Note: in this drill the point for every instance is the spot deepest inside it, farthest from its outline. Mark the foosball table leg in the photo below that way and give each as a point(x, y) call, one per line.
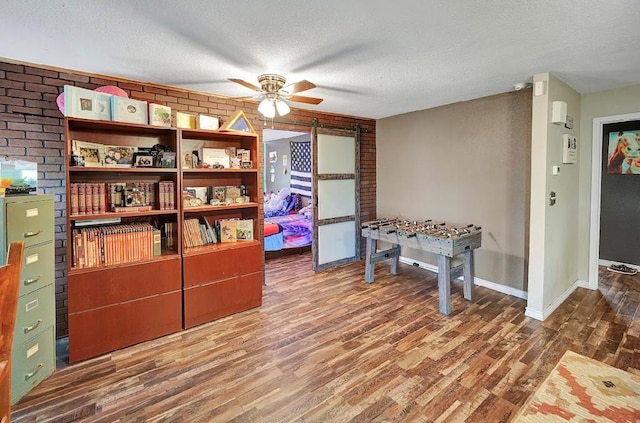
point(468, 273)
point(444, 283)
point(395, 259)
point(369, 267)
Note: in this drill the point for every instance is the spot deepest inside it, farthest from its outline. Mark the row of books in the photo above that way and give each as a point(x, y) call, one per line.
point(117, 244)
point(101, 197)
point(199, 231)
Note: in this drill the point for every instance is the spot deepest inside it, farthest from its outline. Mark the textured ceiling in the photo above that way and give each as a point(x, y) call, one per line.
point(369, 58)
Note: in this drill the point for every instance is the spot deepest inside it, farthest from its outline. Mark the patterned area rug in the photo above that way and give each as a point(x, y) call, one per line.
point(580, 389)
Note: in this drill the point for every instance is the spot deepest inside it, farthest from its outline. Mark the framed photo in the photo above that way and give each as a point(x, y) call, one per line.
point(207, 122)
point(143, 160)
point(90, 151)
point(118, 155)
point(273, 156)
point(622, 154)
point(168, 159)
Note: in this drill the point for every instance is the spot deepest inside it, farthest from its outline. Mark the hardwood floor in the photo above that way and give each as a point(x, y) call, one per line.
point(329, 348)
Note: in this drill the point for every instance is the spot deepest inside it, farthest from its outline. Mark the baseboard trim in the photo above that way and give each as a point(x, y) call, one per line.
point(607, 263)
point(542, 315)
point(480, 282)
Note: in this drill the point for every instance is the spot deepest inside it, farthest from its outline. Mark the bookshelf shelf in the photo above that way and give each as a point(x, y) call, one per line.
point(202, 209)
point(114, 304)
point(112, 215)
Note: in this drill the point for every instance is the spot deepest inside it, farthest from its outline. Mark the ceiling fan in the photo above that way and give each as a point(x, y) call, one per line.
point(274, 95)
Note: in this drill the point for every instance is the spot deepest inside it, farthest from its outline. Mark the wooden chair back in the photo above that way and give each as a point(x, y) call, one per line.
point(9, 291)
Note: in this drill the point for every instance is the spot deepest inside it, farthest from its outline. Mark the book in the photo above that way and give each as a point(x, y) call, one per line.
point(244, 229)
point(87, 104)
point(159, 115)
point(125, 109)
point(228, 231)
point(157, 242)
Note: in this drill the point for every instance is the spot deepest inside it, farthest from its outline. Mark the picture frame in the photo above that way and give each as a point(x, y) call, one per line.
point(207, 122)
point(118, 155)
point(91, 152)
point(168, 160)
point(185, 120)
point(143, 159)
point(159, 115)
point(238, 123)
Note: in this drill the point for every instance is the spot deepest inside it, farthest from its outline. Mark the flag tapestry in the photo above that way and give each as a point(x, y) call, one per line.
point(301, 168)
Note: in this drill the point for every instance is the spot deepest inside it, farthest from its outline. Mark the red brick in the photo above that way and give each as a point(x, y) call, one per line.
point(187, 101)
point(180, 94)
point(26, 143)
point(24, 110)
point(51, 112)
point(55, 82)
point(44, 136)
point(197, 109)
point(12, 151)
point(139, 95)
point(24, 94)
point(44, 120)
point(74, 77)
point(101, 81)
point(165, 98)
point(10, 67)
point(155, 90)
point(18, 126)
point(42, 72)
point(129, 86)
point(42, 88)
point(58, 129)
point(16, 101)
point(23, 77)
point(41, 103)
point(199, 97)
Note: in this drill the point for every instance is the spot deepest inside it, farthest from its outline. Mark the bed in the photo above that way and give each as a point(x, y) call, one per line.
point(288, 231)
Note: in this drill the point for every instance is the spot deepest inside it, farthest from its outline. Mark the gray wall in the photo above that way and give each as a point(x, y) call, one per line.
point(464, 163)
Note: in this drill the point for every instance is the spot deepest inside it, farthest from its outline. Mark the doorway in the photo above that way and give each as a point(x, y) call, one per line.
point(596, 181)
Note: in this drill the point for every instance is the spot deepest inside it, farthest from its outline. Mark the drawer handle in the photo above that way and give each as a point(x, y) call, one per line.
point(32, 233)
point(33, 373)
point(32, 280)
point(33, 326)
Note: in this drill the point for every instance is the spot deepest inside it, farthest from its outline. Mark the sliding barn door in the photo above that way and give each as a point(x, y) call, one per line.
point(336, 198)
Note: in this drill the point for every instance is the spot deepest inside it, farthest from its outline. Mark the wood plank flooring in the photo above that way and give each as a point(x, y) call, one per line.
point(329, 348)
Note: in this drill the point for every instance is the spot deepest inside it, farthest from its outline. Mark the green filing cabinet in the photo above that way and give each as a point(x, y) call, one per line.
point(30, 218)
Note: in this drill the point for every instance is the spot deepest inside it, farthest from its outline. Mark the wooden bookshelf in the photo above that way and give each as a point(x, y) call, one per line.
point(112, 306)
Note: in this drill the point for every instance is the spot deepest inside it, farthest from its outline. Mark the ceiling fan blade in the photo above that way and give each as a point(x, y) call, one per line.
point(302, 99)
point(245, 84)
point(299, 86)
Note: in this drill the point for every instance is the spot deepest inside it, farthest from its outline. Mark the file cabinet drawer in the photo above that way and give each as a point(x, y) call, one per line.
point(31, 222)
point(33, 361)
point(38, 268)
point(35, 314)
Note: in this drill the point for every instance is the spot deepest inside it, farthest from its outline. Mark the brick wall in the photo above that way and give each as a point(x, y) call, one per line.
point(31, 128)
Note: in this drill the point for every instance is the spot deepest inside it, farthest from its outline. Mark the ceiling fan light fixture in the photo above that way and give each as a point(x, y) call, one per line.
point(267, 108)
point(282, 106)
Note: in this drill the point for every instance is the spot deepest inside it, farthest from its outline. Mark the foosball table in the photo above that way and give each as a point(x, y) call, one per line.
point(444, 239)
